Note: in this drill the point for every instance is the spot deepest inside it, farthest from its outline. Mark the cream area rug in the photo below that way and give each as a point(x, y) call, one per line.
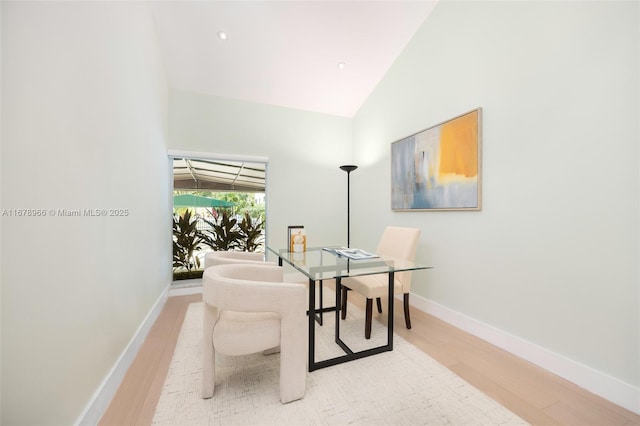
point(402, 387)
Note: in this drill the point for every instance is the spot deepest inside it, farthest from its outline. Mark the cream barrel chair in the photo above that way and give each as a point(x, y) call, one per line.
point(235, 257)
point(397, 243)
point(248, 309)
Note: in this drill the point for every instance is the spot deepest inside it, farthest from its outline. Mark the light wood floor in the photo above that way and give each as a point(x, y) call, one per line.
point(534, 394)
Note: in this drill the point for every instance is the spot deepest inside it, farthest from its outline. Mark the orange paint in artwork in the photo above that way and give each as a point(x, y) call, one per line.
point(459, 147)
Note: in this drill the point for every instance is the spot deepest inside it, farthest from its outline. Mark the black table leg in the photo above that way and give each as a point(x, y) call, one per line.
point(312, 327)
point(390, 312)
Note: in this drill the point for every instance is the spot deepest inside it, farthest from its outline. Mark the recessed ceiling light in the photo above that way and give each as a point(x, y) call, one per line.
point(341, 65)
point(222, 35)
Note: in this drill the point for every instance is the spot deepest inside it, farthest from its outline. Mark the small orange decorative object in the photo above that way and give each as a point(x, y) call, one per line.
point(298, 241)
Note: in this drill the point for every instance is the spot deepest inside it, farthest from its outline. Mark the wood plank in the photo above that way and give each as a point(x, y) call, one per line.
point(516, 404)
point(145, 377)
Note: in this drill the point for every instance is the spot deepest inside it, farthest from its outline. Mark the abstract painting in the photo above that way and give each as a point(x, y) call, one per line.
point(439, 168)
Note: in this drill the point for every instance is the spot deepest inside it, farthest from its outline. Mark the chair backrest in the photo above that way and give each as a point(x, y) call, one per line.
point(237, 286)
point(253, 288)
point(400, 243)
point(233, 257)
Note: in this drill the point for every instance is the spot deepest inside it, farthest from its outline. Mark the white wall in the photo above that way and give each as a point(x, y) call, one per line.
point(304, 183)
point(553, 257)
point(84, 105)
point(1, 232)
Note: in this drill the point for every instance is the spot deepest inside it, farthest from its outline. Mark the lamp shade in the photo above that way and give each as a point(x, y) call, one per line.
point(348, 168)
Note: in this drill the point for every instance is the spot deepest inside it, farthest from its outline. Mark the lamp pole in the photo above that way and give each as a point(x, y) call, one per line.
point(348, 168)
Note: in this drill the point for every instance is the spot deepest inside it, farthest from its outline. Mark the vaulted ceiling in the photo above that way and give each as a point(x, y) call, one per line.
point(322, 56)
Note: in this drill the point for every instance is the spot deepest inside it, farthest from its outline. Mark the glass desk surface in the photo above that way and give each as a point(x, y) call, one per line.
point(319, 264)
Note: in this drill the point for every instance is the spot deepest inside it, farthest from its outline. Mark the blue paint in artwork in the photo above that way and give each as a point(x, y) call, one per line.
point(453, 195)
point(403, 173)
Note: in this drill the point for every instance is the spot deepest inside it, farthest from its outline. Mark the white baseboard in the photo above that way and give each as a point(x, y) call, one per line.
point(107, 389)
point(607, 387)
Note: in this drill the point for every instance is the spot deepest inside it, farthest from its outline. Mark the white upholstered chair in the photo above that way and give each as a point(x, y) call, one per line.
point(235, 257)
point(397, 243)
point(248, 309)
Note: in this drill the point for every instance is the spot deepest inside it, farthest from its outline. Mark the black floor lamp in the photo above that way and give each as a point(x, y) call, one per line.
point(348, 168)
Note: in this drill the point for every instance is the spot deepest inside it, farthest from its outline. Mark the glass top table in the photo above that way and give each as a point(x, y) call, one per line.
point(320, 263)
